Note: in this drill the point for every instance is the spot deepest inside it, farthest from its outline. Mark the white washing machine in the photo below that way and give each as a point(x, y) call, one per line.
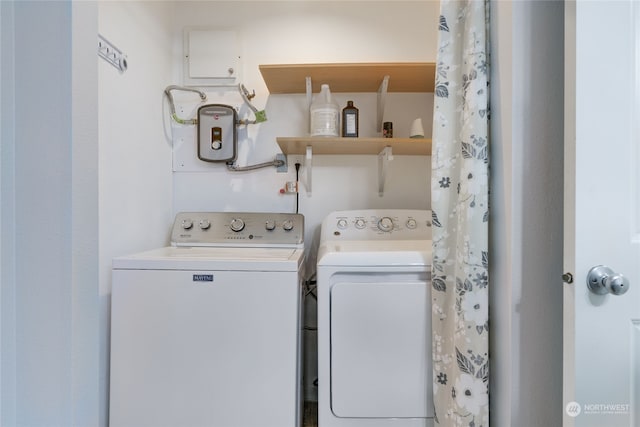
point(207, 332)
point(374, 319)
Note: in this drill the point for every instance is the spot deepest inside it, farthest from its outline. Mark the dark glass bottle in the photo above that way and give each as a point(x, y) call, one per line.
point(350, 120)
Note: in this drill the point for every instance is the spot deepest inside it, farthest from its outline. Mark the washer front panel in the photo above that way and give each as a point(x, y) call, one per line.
point(196, 348)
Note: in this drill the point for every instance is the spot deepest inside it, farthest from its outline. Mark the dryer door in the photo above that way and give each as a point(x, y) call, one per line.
point(381, 347)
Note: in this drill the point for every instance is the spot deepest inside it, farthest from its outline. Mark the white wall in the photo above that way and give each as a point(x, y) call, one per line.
point(317, 32)
point(84, 220)
point(527, 188)
point(7, 216)
point(135, 190)
point(49, 216)
point(42, 208)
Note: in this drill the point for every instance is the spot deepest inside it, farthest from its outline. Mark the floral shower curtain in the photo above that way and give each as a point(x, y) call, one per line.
point(460, 204)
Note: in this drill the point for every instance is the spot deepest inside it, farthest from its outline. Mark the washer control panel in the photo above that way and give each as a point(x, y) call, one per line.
point(242, 229)
point(377, 224)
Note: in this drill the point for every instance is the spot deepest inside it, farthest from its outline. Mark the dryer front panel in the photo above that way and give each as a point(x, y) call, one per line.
point(380, 327)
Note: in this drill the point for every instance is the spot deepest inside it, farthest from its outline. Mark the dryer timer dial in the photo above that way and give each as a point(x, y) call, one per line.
point(237, 224)
point(385, 224)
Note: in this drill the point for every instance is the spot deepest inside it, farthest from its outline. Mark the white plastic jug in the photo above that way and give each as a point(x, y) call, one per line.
point(324, 114)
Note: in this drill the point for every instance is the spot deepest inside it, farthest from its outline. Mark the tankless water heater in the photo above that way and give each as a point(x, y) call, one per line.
point(217, 136)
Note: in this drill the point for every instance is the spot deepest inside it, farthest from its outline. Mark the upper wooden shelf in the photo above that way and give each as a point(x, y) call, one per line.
point(363, 77)
point(320, 145)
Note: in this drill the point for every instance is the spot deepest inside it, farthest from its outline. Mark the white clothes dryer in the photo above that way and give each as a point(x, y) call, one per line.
point(374, 319)
point(207, 332)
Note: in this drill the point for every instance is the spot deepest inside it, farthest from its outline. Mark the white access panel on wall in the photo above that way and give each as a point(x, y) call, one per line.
point(211, 57)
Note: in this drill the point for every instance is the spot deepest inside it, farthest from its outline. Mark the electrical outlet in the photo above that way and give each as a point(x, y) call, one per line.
point(296, 158)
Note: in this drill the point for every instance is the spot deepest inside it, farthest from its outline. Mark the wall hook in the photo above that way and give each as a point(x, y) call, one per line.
point(111, 54)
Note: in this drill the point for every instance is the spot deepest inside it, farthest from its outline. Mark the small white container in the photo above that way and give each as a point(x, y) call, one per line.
point(417, 131)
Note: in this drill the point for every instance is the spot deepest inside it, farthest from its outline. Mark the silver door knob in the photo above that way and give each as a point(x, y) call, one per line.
point(602, 280)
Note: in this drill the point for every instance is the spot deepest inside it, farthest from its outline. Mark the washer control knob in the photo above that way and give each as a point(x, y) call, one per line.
point(187, 224)
point(412, 224)
point(237, 224)
point(205, 224)
point(287, 225)
point(360, 223)
point(270, 225)
point(385, 224)
point(342, 223)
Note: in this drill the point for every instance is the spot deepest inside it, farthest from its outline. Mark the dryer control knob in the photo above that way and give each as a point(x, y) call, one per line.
point(237, 224)
point(270, 225)
point(385, 224)
point(360, 223)
point(342, 223)
point(187, 224)
point(412, 224)
point(205, 224)
point(287, 225)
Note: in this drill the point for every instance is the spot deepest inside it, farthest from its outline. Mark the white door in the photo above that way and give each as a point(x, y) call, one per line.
point(602, 213)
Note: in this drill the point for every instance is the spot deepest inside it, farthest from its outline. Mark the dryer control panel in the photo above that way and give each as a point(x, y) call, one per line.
point(238, 229)
point(377, 224)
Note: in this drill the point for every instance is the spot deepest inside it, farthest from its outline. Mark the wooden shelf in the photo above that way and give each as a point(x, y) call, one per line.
point(384, 148)
point(364, 77)
point(371, 77)
point(319, 145)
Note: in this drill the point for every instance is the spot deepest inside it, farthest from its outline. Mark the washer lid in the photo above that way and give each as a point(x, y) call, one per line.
point(207, 258)
point(375, 253)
